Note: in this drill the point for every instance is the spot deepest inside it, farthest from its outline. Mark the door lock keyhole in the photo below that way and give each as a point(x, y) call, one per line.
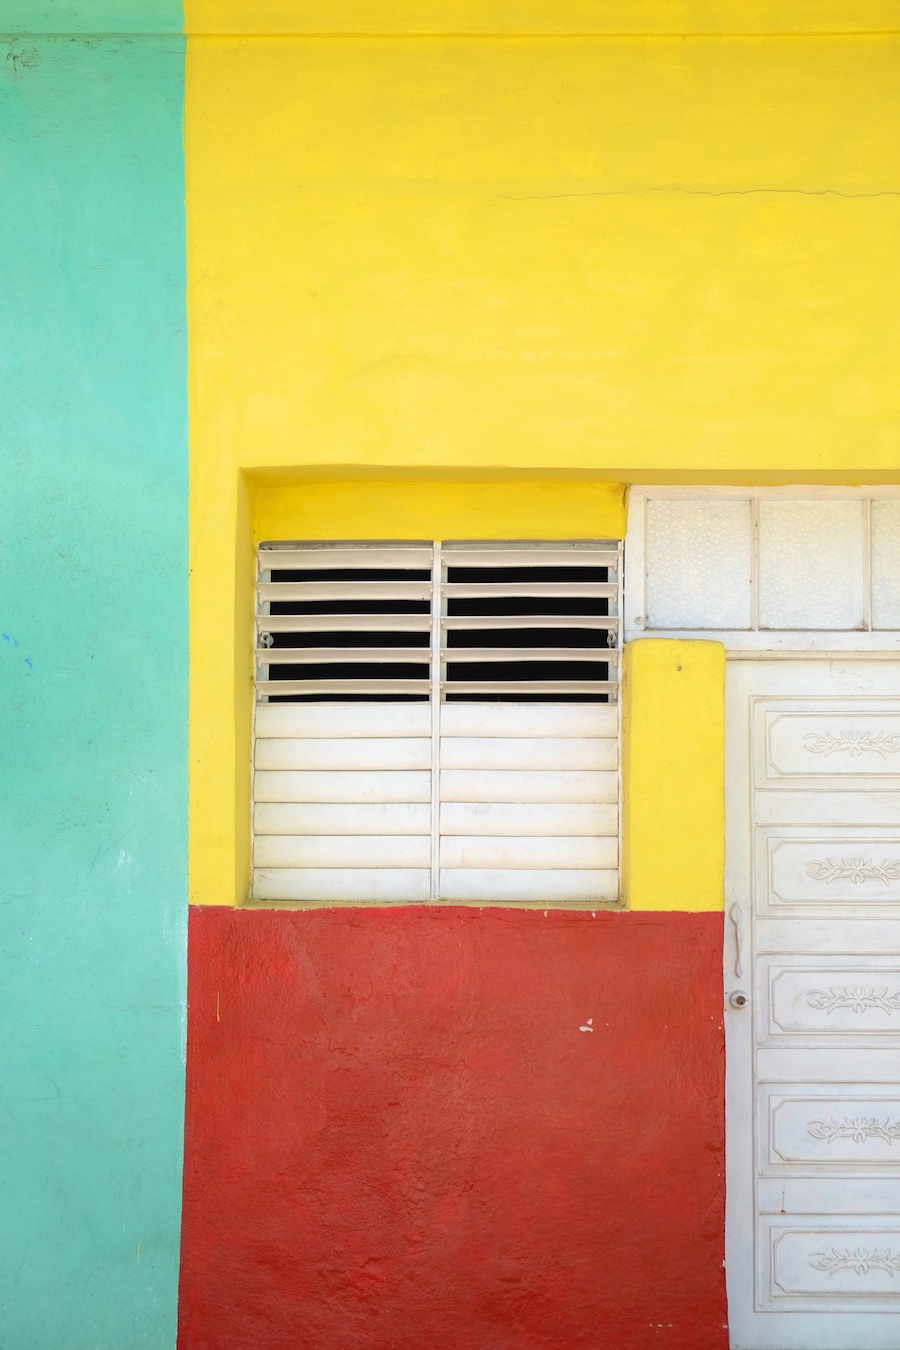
point(739, 999)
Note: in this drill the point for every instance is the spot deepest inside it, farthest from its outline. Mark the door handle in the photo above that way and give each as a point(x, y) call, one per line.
point(736, 915)
point(738, 999)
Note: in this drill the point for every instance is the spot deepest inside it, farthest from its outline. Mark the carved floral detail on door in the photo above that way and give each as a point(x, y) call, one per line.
point(855, 870)
point(857, 999)
point(853, 743)
point(857, 1128)
point(861, 1260)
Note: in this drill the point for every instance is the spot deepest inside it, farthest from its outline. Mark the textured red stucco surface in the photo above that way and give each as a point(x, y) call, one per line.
point(398, 1138)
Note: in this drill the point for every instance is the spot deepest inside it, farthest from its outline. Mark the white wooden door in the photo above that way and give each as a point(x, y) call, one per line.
point(812, 1004)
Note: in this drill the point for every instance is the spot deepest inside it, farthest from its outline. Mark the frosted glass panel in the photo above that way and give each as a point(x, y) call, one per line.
point(698, 563)
point(886, 564)
point(811, 564)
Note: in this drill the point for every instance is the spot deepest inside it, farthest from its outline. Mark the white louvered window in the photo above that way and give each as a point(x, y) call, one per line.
point(437, 722)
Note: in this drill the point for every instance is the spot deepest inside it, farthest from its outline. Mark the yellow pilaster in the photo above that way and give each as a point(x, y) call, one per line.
point(674, 767)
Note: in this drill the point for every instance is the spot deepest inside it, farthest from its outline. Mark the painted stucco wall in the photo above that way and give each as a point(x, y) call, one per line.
point(93, 660)
point(662, 254)
point(476, 271)
point(485, 252)
point(400, 1135)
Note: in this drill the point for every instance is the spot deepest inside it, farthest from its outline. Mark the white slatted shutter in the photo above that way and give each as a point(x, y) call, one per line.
point(529, 723)
point(342, 745)
point(437, 722)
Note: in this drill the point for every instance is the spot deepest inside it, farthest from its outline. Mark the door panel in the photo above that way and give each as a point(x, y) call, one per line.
point(848, 1002)
point(827, 872)
point(831, 1127)
point(831, 744)
point(836, 1265)
point(813, 1047)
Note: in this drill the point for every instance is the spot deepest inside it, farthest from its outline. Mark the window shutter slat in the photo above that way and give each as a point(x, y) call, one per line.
point(557, 720)
point(314, 557)
point(533, 886)
point(347, 623)
point(517, 852)
point(337, 688)
point(550, 688)
point(343, 785)
point(528, 752)
point(545, 785)
point(344, 590)
point(469, 654)
point(499, 621)
point(395, 752)
point(543, 554)
point(563, 590)
point(345, 719)
point(341, 655)
point(363, 850)
point(375, 885)
point(338, 819)
point(524, 819)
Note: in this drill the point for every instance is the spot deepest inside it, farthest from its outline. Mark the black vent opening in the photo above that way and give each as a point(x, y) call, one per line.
point(329, 639)
point(593, 639)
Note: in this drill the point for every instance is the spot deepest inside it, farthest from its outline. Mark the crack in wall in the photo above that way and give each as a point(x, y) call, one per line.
point(705, 192)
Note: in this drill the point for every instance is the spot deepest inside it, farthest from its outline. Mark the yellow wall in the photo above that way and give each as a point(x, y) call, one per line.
point(673, 733)
point(497, 257)
point(613, 17)
point(416, 509)
point(628, 253)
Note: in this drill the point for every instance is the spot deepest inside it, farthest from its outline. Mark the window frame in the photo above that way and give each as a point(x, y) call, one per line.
point(436, 703)
point(753, 639)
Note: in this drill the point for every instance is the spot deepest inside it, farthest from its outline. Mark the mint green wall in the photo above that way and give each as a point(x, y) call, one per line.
point(93, 681)
point(90, 16)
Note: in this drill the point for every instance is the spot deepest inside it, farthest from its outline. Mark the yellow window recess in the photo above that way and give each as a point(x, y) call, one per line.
point(223, 562)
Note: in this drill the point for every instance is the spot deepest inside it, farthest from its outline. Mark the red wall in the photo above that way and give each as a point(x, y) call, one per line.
point(397, 1135)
